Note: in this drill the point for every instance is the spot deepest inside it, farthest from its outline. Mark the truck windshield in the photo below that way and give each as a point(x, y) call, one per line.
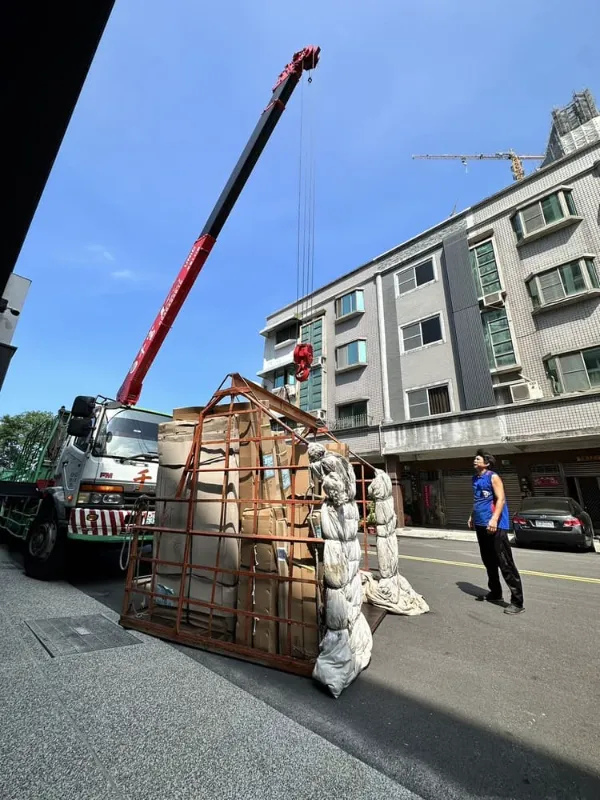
point(131, 434)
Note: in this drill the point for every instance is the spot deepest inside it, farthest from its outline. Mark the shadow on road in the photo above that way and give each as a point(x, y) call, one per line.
point(430, 750)
point(471, 589)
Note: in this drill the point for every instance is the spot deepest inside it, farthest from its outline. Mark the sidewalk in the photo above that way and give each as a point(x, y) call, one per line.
point(436, 533)
point(139, 720)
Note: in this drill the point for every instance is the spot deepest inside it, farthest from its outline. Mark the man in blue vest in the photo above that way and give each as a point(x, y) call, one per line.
point(491, 521)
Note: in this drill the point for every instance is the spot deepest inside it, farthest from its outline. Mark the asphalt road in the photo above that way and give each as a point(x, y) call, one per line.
point(464, 702)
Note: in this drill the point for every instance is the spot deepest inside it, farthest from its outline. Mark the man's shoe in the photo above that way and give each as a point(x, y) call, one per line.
point(490, 598)
point(513, 609)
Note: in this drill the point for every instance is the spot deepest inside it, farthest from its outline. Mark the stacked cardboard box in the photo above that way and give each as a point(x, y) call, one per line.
point(258, 592)
point(174, 444)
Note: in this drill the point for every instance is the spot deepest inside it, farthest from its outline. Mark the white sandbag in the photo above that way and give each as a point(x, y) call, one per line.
point(394, 594)
point(339, 522)
point(335, 565)
point(337, 610)
point(386, 530)
point(341, 563)
point(387, 555)
point(346, 647)
point(392, 591)
point(384, 511)
point(344, 605)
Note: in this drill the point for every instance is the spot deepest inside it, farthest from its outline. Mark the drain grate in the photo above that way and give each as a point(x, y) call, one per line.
point(66, 636)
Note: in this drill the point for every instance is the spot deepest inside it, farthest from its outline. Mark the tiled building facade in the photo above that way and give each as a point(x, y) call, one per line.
point(484, 330)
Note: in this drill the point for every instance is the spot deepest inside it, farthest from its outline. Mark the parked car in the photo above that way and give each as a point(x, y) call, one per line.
point(553, 519)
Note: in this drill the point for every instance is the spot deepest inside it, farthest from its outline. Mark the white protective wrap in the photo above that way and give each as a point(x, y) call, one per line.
point(392, 591)
point(346, 647)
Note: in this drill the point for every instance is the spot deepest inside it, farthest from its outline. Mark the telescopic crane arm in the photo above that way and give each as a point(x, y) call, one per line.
point(306, 59)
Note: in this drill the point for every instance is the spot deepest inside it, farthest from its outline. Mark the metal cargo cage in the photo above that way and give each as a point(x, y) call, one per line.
point(236, 563)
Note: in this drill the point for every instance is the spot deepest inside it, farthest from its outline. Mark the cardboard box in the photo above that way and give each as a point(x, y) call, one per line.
point(337, 447)
point(303, 608)
point(223, 621)
point(249, 458)
point(259, 593)
point(274, 453)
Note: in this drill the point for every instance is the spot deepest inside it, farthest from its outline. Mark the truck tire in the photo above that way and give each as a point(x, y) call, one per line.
point(45, 547)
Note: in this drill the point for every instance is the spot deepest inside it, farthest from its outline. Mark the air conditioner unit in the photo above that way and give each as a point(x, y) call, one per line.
point(525, 391)
point(493, 299)
point(319, 361)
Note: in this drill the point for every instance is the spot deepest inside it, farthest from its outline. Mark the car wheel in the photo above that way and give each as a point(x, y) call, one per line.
point(45, 547)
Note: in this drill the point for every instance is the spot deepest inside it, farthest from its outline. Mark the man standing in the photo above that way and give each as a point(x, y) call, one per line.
point(491, 522)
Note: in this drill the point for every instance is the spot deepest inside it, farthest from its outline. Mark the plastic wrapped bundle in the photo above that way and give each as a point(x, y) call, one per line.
point(392, 591)
point(346, 647)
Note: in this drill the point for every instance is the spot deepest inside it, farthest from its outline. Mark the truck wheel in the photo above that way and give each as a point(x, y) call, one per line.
point(45, 548)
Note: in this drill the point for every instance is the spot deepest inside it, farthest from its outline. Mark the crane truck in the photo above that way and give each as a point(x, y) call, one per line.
point(82, 475)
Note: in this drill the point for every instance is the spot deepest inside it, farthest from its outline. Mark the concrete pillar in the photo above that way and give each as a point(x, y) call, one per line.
point(392, 467)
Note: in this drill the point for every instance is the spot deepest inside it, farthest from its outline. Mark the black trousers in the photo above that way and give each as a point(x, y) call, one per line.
point(496, 554)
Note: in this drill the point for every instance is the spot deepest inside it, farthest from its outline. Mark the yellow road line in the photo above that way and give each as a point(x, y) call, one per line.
point(578, 578)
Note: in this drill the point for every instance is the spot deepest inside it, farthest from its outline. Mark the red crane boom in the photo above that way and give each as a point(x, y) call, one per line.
point(306, 59)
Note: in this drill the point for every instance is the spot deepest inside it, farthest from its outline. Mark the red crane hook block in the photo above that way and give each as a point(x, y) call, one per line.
point(303, 359)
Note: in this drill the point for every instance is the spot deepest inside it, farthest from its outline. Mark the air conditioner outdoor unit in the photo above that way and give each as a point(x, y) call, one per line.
point(493, 299)
point(525, 391)
point(319, 361)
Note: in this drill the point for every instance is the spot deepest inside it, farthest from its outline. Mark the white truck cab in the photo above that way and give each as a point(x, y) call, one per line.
point(109, 459)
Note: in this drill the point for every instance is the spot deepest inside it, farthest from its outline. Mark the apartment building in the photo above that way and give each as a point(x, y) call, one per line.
point(482, 331)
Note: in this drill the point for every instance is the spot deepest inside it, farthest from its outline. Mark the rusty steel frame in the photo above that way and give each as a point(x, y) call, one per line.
point(257, 403)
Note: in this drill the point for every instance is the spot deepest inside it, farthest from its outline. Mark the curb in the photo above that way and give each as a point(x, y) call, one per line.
point(452, 536)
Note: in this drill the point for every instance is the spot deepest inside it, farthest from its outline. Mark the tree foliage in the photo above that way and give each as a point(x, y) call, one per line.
point(14, 430)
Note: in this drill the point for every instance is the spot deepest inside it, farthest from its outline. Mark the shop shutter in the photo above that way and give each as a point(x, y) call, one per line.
point(512, 490)
point(582, 469)
point(457, 496)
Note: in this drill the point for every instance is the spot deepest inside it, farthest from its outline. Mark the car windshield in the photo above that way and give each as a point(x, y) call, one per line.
point(132, 434)
point(547, 505)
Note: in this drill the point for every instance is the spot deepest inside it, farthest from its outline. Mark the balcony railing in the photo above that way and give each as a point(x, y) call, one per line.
point(349, 423)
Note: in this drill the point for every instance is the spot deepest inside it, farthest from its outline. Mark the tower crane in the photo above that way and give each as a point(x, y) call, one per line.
point(516, 161)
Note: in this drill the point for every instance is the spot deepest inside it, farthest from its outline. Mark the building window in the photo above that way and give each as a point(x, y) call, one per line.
point(349, 304)
point(498, 339)
point(352, 415)
point(284, 377)
point(485, 269)
point(287, 334)
point(554, 285)
point(543, 213)
point(419, 334)
point(353, 354)
point(311, 391)
point(575, 372)
point(312, 333)
point(408, 279)
point(428, 402)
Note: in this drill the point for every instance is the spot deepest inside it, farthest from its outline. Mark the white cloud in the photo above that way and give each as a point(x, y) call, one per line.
point(123, 275)
point(100, 251)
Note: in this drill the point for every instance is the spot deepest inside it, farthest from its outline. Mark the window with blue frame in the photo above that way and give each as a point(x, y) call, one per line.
point(284, 377)
point(351, 303)
point(353, 354)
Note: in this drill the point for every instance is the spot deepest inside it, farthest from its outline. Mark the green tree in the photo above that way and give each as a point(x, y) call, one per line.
point(15, 430)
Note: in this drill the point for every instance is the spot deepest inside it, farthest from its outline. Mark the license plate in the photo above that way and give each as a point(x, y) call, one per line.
point(150, 517)
point(542, 523)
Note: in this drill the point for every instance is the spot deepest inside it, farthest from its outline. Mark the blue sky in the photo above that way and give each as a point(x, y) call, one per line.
point(172, 96)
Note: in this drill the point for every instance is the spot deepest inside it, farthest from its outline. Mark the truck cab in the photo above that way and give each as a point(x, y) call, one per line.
point(108, 461)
